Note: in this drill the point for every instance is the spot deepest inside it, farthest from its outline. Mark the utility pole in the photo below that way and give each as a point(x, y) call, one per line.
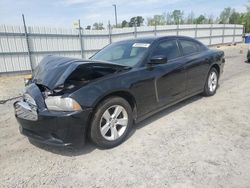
point(80, 38)
point(28, 45)
point(114, 5)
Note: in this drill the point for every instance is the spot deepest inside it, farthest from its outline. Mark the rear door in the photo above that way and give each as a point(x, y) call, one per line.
point(196, 64)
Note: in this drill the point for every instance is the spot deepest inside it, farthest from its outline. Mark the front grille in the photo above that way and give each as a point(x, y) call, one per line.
point(25, 111)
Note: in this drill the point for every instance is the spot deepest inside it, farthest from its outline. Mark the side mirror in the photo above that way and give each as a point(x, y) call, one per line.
point(158, 59)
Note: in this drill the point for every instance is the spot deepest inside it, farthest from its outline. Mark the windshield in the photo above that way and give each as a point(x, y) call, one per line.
point(123, 53)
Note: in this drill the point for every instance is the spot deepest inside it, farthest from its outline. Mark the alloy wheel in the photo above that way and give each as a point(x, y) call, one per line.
point(114, 122)
point(212, 81)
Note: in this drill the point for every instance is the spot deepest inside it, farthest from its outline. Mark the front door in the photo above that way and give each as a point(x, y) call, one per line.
point(171, 78)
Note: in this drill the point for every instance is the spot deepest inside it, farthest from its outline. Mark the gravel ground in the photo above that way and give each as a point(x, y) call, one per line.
point(201, 142)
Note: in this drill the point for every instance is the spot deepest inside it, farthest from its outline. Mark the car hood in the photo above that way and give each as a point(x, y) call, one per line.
point(52, 71)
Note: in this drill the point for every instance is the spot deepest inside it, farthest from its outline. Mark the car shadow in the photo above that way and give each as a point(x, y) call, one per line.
point(247, 61)
point(88, 147)
point(164, 112)
point(70, 151)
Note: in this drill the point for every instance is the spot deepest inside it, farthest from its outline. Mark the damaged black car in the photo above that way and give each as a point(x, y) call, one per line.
point(70, 99)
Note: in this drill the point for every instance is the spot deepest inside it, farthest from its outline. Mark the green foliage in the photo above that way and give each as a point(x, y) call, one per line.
point(138, 21)
point(157, 20)
point(177, 16)
point(235, 18)
point(246, 18)
point(190, 18)
point(98, 26)
point(134, 21)
point(227, 16)
point(88, 27)
point(200, 20)
point(125, 23)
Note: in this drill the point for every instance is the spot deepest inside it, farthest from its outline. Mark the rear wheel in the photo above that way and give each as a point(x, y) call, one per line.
point(111, 122)
point(211, 83)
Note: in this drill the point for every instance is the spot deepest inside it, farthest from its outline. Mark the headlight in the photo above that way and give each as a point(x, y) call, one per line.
point(27, 98)
point(57, 103)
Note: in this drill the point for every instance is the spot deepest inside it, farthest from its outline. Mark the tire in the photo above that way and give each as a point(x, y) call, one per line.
point(105, 119)
point(210, 90)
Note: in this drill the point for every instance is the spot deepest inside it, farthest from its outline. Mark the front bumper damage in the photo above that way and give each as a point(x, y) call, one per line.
point(50, 127)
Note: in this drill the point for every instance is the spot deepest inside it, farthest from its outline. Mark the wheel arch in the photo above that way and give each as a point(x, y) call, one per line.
point(217, 67)
point(123, 94)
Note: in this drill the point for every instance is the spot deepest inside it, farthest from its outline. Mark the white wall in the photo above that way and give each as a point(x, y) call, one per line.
point(66, 42)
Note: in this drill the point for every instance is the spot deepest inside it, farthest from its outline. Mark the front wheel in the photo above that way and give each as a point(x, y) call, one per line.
point(111, 123)
point(211, 83)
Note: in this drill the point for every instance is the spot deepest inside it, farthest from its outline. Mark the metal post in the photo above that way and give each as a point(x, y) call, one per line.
point(210, 34)
point(27, 42)
point(80, 38)
point(243, 34)
point(177, 31)
point(196, 31)
point(155, 30)
point(135, 27)
point(234, 33)
point(115, 15)
point(110, 33)
point(223, 34)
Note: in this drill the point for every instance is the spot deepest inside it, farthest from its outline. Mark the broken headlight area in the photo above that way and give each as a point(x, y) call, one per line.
point(57, 101)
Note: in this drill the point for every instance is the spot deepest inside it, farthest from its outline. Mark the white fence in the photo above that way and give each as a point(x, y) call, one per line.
point(19, 49)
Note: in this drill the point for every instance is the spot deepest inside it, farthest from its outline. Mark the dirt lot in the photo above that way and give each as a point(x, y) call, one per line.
point(201, 142)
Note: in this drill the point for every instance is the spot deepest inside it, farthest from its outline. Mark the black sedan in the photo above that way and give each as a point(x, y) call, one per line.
point(124, 83)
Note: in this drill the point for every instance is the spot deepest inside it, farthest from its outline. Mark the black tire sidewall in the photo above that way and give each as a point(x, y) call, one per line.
point(95, 134)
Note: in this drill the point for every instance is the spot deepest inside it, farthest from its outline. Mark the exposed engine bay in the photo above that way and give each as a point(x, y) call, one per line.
point(59, 75)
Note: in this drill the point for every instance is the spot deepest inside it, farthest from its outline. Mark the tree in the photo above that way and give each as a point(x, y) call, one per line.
point(98, 26)
point(168, 18)
point(132, 22)
point(190, 18)
point(200, 20)
point(225, 15)
point(157, 20)
point(210, 19)
point(246, 18)
point(125, 23)
point(235, 18)
point(177, 16)
point(138, 21)
point(88, 27)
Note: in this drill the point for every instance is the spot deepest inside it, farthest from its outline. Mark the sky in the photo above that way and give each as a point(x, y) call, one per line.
point(62, 13)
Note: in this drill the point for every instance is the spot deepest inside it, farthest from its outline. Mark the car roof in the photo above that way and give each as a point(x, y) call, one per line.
point(156, 38)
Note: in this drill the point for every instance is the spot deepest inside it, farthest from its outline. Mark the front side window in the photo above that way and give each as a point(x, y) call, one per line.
point(168, 49)
point(189, 47)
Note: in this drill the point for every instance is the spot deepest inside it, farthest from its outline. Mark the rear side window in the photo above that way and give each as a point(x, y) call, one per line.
point(189, 47)
point(167, 48)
